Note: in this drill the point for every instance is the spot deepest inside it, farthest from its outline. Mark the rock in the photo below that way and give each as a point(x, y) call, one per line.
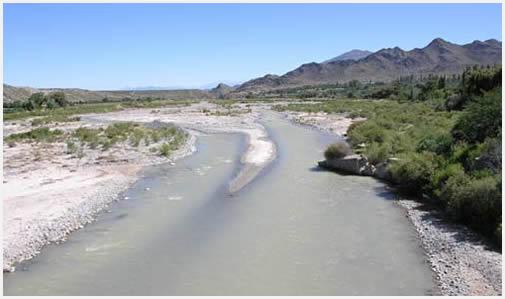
point(382, 171)
point(354, 164)
point(491, 160)
point(454, 102)
point(368, 169)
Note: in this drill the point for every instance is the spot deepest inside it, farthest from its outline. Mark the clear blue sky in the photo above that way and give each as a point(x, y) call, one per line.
point(111, 46)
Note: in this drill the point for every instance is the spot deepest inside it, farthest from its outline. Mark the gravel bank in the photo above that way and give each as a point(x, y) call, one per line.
point(464, 263)
point(47, 194)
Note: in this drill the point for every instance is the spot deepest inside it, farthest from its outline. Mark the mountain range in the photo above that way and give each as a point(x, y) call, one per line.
point(351, 55)
point(438, 57)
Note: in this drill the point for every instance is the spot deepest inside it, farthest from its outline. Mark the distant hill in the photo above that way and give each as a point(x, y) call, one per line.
point(76, 95)
point(221, 90)
point(351, 55)
point(438, 57)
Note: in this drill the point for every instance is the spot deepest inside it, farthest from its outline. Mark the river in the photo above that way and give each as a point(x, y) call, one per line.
point(294, 230)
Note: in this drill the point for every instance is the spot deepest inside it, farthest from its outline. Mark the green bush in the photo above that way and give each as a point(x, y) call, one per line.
point(366, 132)
point(378, 153)
point(437, 143)
point(87, 135)
point(481, 119)
point(475, 202)
point(165, 149)
point(71, 147)
point(442, 174)
point(337, 150)
point(37, 135)
point(136, 136)
point(413, 171)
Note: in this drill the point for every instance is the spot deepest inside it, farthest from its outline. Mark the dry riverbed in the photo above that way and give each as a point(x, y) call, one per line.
point(465, 264)
point(49, 192)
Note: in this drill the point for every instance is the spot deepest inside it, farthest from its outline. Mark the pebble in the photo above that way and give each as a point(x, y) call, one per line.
point(455, 254)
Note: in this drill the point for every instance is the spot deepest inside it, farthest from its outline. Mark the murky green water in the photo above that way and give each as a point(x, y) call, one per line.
point(293, 231)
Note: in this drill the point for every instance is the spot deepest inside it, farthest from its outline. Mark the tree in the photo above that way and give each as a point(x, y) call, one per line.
point(35, 101)
point(441, 82)
point(59, 98)
point(481, 119)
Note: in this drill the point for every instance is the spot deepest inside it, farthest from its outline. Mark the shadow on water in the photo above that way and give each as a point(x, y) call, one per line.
point(317, 169)
point(432, 213)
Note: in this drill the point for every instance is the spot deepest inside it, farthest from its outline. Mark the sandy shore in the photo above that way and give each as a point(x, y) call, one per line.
point(464, 263)
point(48, 193)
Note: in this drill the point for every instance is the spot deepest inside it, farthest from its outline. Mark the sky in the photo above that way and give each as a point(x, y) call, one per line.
point(114, 46)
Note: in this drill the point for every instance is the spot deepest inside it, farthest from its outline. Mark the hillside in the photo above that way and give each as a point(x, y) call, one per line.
point(351, 55)
point(438, 57)
point(76, 95)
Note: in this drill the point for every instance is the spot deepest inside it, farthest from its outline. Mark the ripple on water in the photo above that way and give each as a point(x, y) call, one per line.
point(175, 198)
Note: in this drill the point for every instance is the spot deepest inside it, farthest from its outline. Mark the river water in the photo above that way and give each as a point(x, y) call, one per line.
point(295, 230)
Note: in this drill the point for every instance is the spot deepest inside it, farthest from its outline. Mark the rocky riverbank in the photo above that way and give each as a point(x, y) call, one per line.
point(464, 262)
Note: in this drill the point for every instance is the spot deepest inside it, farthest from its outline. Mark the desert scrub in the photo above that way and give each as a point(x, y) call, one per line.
point(35, 135)
point(178, 139)
point(337, 150)
point(67, 111)
point(96, 108)
point(71, 147)
point(133, 133)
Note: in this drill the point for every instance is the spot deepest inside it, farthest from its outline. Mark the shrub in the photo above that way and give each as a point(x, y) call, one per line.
point(368, 131)
point(481, 119)
point(71, 147)
point(38, 135)
point(155, 136)
point(437, 143)
point(442, 174)
point(476, 202)
point(165, 149)
point(377, 153)
point(337, 150)
point(413, 171)
point(120, 130)
point(87, 135)
point(136, 136)
point(59, 98)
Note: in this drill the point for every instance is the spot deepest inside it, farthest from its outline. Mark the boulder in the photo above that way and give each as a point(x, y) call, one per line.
point(359, 165)
point(491, 160)
point(382, 171)
point(454, 102)
point(354, 164)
